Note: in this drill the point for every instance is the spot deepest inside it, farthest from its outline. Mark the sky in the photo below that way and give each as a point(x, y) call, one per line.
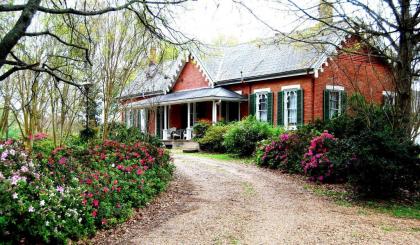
point(209, 20)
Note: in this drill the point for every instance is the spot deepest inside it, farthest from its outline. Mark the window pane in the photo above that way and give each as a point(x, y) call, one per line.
point(334, 103)
point(291, 107)
point(262, 107)
point(263, 116)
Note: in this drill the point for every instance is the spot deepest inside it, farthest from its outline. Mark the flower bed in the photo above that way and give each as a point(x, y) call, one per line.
point(71, 192)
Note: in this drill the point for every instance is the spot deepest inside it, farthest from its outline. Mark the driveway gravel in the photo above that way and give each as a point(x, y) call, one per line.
point(217, 202)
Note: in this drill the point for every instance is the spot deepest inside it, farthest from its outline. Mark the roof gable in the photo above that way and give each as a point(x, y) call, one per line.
point(191, 77)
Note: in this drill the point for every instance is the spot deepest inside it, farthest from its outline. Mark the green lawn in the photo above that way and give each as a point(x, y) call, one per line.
point(220, 156)
point(393, 208)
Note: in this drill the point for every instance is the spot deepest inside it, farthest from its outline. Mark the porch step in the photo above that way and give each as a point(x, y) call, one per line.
point(190, 150)
point(182, 144)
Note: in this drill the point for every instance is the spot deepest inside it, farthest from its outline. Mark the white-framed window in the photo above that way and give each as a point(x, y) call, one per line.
point(335, 103)
point(290, 108)
point(262, 106)
point(261, 97)
point(389, 98)
point(334, 98)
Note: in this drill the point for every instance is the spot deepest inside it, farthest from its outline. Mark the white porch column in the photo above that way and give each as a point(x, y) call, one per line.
point(214, 112)
point(189, 115)
point(188, 130)
point(165, 123)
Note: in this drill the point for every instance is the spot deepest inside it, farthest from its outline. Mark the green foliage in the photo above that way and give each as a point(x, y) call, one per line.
point(384, 164)
point(119, 132)
point(242, 137)
point(213, 139)
point(200, 128)
point(379, 160)
point(44, 146)
point(87, 134)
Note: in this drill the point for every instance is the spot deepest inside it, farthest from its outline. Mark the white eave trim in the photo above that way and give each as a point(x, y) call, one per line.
point(289, 87)
point(388, 93)
point(261, 90)
point(335, 87)
point(203, 69)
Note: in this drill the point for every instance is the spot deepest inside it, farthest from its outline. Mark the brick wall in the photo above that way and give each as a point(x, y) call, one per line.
point(190, 78)
point(356, 73)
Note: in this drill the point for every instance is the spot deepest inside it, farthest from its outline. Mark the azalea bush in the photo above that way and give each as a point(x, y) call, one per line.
point(285, 153)
point(287, 150)
point(317, 163)
point(70, 192)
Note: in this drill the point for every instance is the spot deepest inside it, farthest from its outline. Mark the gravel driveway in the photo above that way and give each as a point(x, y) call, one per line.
point(229, 203)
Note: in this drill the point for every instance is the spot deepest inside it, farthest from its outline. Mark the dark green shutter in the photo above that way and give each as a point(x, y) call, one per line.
point(343, 95)
point(299, 107)
point(326, 105)
point(252, 104)
point(270, 108)
point(280, 108)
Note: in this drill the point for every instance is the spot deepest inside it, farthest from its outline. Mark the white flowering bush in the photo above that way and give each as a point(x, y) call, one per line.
point(32, 205)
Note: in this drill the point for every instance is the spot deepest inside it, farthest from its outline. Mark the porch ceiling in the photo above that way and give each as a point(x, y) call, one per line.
point(196, 95)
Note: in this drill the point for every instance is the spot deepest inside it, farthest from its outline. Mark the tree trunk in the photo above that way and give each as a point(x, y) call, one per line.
point(404, 70)
point(18, 31)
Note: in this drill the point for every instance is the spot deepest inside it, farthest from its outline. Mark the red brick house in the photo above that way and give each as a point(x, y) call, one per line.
point(282, 84)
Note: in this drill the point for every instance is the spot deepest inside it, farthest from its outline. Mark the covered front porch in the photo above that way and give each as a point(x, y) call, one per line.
point(178, 112)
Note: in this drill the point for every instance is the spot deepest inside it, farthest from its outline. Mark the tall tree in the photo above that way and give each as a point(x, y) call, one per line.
point(149, 12)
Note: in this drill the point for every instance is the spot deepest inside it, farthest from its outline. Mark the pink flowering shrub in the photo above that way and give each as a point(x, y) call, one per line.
point(317, 163)
point(285, 153)
point(275, 154)
point(70, 192)
point(115, 176)
point(38, 136)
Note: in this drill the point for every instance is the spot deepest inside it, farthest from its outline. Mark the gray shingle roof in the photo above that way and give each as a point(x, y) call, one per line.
point(153, 79)
point(191, 95)
point(227, 64)
point(255, 60)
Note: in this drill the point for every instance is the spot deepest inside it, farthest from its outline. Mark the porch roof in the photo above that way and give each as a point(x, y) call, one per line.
point(196, 95)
